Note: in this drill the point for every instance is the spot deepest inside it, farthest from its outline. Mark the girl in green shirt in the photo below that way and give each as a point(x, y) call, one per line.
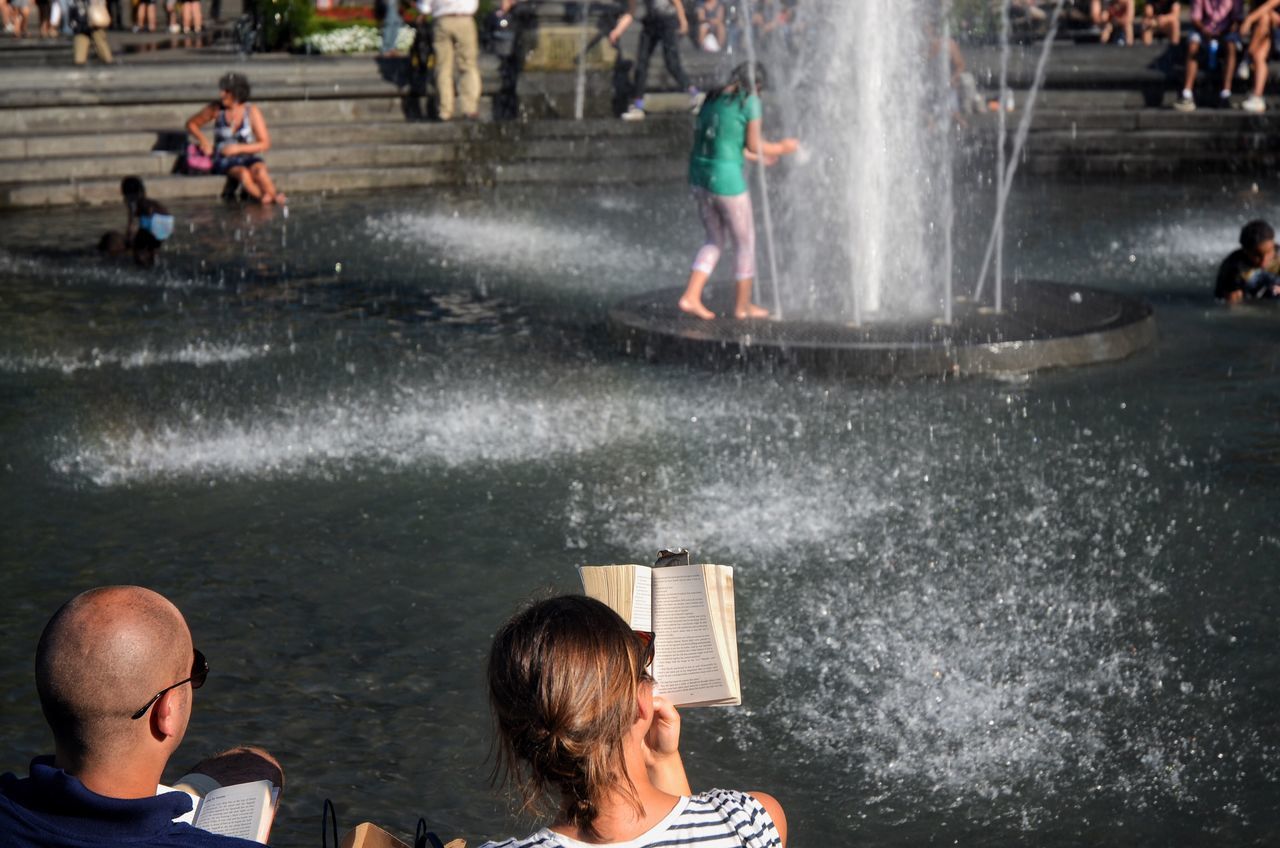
point(727, 135)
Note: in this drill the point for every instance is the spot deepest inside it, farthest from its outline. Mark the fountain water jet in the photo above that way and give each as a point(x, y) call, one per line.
point(863, 262)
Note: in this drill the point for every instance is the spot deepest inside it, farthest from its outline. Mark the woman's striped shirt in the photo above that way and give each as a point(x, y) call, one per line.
point(719, 818)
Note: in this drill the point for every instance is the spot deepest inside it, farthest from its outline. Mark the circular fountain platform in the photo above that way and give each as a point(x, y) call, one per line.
point(1043, 325)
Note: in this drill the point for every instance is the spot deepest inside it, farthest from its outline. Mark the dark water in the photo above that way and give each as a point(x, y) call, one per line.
point(1039, 609)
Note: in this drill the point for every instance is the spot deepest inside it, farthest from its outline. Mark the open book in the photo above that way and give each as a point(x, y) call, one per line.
point(244, 810)
point(689, 610)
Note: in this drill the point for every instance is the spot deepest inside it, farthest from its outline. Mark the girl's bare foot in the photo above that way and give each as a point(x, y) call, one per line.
point(695, 308)
point(751, 311)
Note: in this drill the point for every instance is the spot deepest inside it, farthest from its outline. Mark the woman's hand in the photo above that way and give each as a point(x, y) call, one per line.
point(206, 147)
point(788, 146)
point(663, 738)
point(662, 750)
point(231, 149)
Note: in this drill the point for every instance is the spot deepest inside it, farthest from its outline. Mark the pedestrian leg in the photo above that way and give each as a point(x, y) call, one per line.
point(442, 41)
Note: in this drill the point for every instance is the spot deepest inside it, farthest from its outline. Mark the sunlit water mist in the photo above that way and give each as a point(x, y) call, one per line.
point(1040, 610)
point(970, 625)
point(859, 222)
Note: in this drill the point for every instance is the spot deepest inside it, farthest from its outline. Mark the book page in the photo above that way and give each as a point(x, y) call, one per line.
point(642, 601)
point(625, 589)
point(718, 580)
point(687, 665)
point(244, 810)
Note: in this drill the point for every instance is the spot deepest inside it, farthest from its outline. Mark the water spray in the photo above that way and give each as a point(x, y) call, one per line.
point(760, 171)
point(1005, 175)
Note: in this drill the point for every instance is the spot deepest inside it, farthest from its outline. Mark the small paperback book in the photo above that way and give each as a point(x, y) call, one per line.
point(689, 610)
point(243, 810)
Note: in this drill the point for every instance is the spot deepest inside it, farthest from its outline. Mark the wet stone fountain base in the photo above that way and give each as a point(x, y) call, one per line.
point(1043, 325)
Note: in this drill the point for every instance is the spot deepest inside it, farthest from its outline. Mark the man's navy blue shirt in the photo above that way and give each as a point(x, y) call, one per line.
point(52, 809)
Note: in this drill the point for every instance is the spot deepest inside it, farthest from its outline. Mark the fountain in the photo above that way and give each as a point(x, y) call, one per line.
point(866, 278)
point(1032, 609)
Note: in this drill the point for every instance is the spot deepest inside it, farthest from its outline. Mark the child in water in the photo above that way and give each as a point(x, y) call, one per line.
point(727, 134)
point(148, 225)
point(1251, 271)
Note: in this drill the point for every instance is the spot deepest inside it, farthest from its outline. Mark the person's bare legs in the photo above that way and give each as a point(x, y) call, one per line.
point(691, 301)
point(1229, 69)
point(1259, 48)
point(1129, 14)
point(263, 179)
point(244, 176)
point(743, 307)
point(1193, 65)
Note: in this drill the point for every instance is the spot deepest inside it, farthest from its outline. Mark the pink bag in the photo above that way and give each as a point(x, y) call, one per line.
point(197, 161)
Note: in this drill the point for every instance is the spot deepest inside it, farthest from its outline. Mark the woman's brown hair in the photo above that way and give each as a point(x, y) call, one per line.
point(563, 680)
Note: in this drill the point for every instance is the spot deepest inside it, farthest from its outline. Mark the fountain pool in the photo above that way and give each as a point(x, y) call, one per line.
point(1034, 609)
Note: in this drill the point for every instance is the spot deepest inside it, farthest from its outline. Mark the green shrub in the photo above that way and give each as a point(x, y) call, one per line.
point(284, 21)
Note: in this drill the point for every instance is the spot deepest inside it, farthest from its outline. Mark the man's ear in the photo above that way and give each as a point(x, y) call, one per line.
point(168, 715)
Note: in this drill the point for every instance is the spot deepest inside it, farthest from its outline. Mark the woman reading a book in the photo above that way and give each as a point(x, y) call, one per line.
point(579, 726)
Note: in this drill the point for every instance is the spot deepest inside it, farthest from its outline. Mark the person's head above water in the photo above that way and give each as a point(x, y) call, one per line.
point(115, 669)
point(237, 85)
point(565, 678)
point(132, 189)
point(1258, 240)
point(1255, 233)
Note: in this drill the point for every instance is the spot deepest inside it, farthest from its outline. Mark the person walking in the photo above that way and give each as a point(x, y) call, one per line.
point(664, 23)
point(457, 44)
point(727, 134)
point(87, 26)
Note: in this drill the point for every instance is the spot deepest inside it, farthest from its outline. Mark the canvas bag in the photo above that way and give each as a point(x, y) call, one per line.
point(99, 17)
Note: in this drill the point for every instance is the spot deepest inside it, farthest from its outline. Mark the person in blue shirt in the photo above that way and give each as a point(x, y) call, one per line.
point(116, 672)
point(149, 222)
point(727, 135)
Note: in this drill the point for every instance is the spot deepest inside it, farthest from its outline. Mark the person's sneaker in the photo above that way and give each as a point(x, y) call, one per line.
point(175, 29)
point(1254, 103)
point(1242, 70)
point(635, 113)
point(1224, 100)
point(1185, 103)
point(696, 99)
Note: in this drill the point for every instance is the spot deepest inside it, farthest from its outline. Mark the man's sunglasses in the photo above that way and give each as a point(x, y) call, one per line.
point(199, 671)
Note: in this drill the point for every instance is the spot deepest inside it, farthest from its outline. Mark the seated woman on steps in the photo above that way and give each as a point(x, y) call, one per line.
point(579, 726)
point(239, 136)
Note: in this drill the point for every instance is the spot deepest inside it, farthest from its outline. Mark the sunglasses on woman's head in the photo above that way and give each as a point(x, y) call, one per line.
point(199, 672)
point(646, 655)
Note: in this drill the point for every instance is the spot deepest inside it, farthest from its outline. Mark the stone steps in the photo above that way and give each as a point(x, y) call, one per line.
point(1146, 166)
point(1151, 142)
point(304, 158)
point(171, 138)
point(557, 172)
point(404, 152)
point(1202, 120)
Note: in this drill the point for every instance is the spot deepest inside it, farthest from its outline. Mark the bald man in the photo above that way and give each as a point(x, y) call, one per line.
point(116, 671)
